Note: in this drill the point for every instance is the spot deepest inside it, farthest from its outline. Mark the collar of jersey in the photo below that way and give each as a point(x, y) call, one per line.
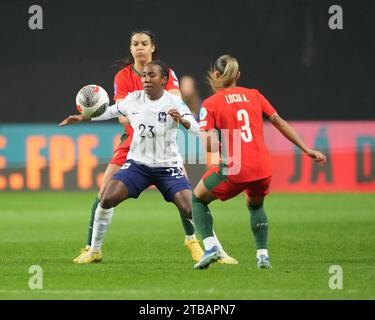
point(135, 71)
point(154, 101)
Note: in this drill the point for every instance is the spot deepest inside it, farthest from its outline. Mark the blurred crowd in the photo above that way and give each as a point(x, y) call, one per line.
point(190, 94)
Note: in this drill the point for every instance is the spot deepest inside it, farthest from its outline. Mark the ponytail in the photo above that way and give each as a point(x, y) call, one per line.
point(228, 68)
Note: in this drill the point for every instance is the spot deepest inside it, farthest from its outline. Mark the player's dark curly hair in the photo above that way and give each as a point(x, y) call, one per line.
point(122, 63)
point(164, 69)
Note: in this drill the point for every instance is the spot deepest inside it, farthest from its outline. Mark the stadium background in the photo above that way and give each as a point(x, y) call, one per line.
point(286, 50)
point(319, 79)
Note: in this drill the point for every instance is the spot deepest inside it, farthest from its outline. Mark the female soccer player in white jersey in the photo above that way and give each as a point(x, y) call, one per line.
point(153, 158)
point(143, 49)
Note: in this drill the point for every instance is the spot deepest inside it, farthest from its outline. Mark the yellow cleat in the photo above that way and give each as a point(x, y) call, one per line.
point(82, 252)
point(195, 249)
point(225, 259)
point(91, 256)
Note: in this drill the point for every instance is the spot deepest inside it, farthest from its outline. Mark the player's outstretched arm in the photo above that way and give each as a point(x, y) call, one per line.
point(76, 118)
point(288, 131)
point(122, 119)
point(111, 112)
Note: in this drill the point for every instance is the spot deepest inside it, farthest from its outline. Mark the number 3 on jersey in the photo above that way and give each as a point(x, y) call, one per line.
point(246, 134)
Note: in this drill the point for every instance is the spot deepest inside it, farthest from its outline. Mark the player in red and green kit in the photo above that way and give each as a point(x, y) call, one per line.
point(143, 49)
point(232, 122)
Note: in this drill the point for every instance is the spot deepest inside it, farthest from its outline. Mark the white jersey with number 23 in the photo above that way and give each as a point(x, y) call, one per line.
point(155, 132)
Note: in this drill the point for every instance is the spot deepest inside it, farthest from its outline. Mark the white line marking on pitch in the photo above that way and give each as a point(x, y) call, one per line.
point(210, 291)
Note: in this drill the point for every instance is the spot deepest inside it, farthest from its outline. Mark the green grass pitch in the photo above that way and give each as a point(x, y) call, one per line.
point(144, 255)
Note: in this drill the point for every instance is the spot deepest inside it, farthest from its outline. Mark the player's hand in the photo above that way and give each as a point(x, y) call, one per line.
point(316, 155)
point(72, 119)
point(175, 115)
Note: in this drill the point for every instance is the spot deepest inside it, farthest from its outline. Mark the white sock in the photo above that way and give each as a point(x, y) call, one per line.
point(191, 237)
point(210, 242)
point(103, 218)
point(218, 243)
point(262, 252)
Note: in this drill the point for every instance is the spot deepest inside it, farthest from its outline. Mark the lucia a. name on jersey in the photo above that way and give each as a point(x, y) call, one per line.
point(236, 97)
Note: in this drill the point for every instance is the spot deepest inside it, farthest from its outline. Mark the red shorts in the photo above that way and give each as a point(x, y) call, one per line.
point(121, 153)
point(223, 189)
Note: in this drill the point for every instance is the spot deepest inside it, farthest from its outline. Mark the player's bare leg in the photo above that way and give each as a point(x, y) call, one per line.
point(114, 193)
point(191, 242)
point(259, 227)
point(182, 200)
point(204, 223)
point(108, 174)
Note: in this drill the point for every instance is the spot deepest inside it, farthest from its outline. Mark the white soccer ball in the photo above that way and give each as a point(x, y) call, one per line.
point(92, 101)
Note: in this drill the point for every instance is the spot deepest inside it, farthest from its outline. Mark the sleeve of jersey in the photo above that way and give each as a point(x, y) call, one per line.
point(194, 126)
point(267, 108)
point(173, 82)
point(120, 87)
point(206, 118)
point(114, 111)
point(186, 114)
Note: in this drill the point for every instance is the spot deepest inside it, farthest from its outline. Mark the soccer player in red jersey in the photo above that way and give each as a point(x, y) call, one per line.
point(235, 114)
point(143, 49)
